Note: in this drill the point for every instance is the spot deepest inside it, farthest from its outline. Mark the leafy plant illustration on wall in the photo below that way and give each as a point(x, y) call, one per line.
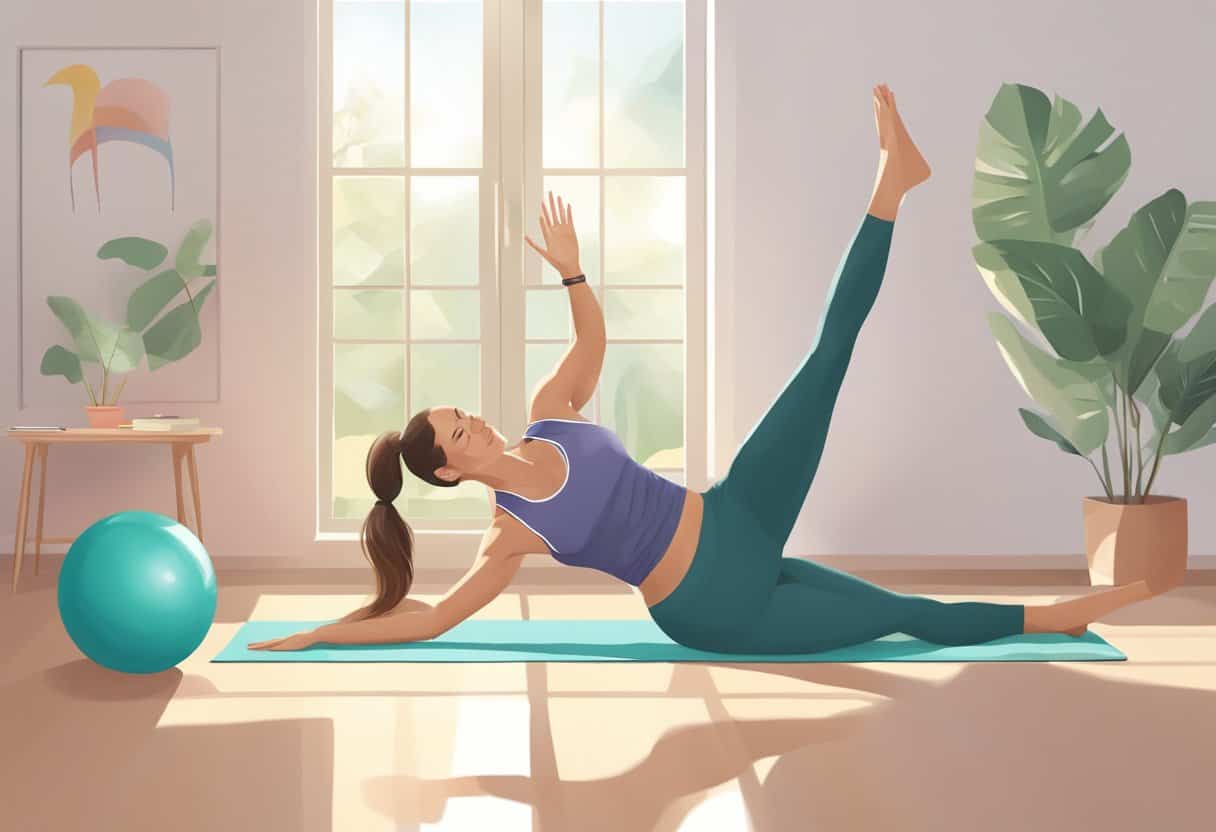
point(119, 348)
point(1041, 178)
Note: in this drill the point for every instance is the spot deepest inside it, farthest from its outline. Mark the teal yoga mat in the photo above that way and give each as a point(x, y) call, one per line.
point(641, 640)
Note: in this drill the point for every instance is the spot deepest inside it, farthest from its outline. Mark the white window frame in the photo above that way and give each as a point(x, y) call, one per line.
point(511, 178)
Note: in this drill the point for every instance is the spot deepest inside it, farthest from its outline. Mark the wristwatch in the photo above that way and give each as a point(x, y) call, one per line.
point(570, 281)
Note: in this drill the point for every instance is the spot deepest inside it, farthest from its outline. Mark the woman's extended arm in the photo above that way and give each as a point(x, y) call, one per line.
point(384, 629)
point(489, 575)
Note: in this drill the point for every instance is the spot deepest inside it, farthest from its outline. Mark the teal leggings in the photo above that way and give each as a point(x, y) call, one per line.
point(740, 594)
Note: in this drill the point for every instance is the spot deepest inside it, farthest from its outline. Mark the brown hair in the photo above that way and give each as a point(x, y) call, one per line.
point(387, 540)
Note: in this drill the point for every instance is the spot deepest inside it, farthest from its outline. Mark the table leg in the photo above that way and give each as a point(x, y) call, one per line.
point(44, 449)
point(23, 510)
point(177, 483)
point(198, 509)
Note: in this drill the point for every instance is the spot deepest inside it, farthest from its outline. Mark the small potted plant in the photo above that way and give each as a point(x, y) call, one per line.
point(119, 348)
point(1112, 322)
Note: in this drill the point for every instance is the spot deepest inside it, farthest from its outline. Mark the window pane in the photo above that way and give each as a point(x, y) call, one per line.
point(643, 401)
point(644, 313)
point(368, 314)
point(369, 84)
point(548, 314)
point(644, 229)
point(445, 314)
point(644, 84)
point(445, 374)
point(571, 84)
point(369, 230)
point(424, 501)
point(583, 195)
point(369, 398)
point(445, 83)
point(443, 230)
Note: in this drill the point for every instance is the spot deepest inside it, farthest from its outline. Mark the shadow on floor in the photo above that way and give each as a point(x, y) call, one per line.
point(82, 750)
point(997, 747)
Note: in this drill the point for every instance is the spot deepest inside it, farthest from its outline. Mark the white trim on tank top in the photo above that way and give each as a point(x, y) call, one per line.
point(564, 456)
point(528, 527)
point(562, 488)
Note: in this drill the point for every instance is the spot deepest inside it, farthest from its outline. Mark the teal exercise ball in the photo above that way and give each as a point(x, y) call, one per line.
point(137, 592)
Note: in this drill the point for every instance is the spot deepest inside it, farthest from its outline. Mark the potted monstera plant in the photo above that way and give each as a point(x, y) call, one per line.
point(1112, 366)
point(118, 349)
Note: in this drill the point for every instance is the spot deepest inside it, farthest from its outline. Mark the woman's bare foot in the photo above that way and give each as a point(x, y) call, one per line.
point(1073, 615)
point(915, 168)
point(901, 166)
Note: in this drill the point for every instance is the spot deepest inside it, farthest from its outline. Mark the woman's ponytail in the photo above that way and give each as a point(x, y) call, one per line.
point(387, 540)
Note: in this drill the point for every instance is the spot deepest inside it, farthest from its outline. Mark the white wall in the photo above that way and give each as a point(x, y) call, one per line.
point(927, 454)
point(256, 479)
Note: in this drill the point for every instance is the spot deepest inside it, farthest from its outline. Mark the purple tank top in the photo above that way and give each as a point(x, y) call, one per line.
point(610, 513)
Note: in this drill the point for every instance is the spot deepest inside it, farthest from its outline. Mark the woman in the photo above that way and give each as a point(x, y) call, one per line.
point(708, 565)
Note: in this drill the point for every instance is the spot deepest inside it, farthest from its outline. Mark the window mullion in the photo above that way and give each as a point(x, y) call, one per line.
point(408, 51)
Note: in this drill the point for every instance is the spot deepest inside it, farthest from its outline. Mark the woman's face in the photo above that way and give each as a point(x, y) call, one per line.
point(469, 443)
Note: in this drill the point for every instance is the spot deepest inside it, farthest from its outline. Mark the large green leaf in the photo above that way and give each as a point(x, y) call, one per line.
point(1039, 174)
point(1194, 430)
point(1004, 283)
point(1187, 273)
point(1210, 439)
point(1041, 427)
point(1148, 395)
point(176, 334)
point(152, 296)
point(134, 251)
point(98, 341)
point(1073, 307)
point(1134, 363)
point(1163, 262)
point(190, 252)
point(1201, 338)
point(58, 361)
point(76, 322)
point(1185, 385)
point(1073, 401)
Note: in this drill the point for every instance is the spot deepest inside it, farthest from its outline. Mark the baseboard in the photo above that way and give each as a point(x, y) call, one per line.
point(968, 565)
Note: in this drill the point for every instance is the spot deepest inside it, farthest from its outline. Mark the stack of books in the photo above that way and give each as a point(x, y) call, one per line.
point(166, 423)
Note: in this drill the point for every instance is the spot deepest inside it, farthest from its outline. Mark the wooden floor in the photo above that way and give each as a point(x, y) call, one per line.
point(1018, 746)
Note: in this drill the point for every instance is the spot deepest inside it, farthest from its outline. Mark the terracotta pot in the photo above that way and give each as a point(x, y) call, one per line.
point(1128, 543)
point(104, 417)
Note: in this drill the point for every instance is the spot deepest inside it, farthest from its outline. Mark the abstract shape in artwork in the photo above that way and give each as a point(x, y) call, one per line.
point(126, 109)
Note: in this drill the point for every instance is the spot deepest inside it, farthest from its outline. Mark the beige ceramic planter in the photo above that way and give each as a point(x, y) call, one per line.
point(1128, 543)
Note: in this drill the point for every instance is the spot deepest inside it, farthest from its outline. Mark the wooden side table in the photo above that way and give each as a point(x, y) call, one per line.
point(37, 446)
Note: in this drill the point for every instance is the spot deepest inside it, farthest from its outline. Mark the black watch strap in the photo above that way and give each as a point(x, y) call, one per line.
point(570, 281)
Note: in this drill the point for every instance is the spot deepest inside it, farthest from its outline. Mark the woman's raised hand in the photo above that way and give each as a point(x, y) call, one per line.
point(561, 243)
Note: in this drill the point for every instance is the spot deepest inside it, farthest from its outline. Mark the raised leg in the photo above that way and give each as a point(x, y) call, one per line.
point(775, 465)
point(43, 450)
point(178, 453)
point(198, 509)
point(23, 510)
